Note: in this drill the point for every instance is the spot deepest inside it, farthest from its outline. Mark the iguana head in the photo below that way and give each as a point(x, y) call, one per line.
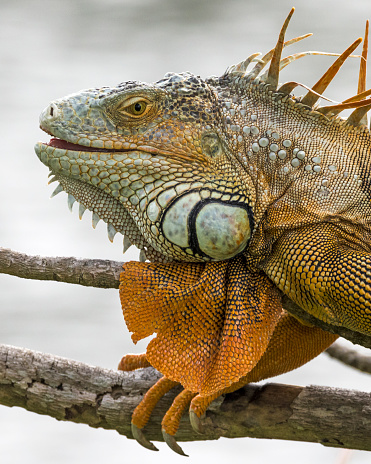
point(187, 169)
point(153, 161)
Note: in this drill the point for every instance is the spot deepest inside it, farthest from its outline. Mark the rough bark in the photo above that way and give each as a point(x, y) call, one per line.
point(105, 274)
point(73, 391)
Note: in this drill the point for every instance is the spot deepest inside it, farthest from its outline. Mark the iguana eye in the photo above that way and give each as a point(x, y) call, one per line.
point(135, 107)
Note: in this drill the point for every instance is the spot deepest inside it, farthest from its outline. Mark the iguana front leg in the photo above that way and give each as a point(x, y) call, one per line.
point(320, 269)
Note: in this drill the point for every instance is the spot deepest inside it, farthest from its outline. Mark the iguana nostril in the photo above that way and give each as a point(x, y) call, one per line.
point(52, 111)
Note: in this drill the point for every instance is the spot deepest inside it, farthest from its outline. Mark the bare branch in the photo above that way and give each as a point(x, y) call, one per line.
point(88, 272)
point(106, 273)
point(73, 391)
point(350, 357)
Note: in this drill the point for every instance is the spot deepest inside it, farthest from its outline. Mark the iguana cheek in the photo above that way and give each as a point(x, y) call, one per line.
point(208, 227)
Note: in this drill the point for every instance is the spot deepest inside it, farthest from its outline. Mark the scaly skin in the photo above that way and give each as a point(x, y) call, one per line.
point(236, 192)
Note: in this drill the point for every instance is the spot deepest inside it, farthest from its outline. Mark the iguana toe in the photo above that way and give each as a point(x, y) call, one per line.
point(131, 362)
point(171, 442)
point(141, 439)
point(196, 422)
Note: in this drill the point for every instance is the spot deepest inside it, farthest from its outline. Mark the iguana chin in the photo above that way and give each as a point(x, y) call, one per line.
point(236, 192)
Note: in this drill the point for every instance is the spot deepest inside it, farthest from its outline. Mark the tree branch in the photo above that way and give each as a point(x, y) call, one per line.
point(106, 273)
point(101, 273)
point(350, 357)
point(73, 391)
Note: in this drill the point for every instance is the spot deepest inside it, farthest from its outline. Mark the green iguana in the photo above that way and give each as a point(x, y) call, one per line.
point(238, 193)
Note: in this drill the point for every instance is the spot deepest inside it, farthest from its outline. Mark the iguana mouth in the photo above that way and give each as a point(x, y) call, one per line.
point(64, 145)
point(152, 150)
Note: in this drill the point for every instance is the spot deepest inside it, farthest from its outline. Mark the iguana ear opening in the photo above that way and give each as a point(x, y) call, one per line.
point(213, 321)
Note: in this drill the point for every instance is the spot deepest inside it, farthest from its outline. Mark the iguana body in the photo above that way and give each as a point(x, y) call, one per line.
point(237, 193)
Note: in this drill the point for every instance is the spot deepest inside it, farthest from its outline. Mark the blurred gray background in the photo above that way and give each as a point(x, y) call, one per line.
point(49, 48)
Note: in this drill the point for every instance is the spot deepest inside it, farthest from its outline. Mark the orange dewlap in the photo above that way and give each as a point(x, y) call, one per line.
point(213, 321)
point(292, 345)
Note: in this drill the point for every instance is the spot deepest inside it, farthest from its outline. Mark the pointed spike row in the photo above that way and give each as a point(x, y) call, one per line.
point(70, 201)
point(82, 210)
point(263, 61)
point(51, 173)
point(240, 68)
point(289, 59)
point(362, 72)
point(322, 84)
point(363, 65)
point(331, 111)
point(94, 220)
point(289, 86)
point(344, 106)
point(357, 118)
point(244, 64)
point(127, 244)
point(358, 97)
point(59, 189)
point(111, 231)
point(274, 68)
point(53, 179)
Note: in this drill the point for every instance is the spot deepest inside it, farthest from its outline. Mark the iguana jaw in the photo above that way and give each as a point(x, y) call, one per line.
point(121, 214)
point(102, 204)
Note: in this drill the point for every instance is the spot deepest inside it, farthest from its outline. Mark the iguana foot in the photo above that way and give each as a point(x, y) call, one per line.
point(171, 420)
point(196, 422)
point(197, 410)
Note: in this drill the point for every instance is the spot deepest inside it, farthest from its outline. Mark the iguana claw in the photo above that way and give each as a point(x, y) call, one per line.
point(196, 422)
point(141, 439)
point(171, 442)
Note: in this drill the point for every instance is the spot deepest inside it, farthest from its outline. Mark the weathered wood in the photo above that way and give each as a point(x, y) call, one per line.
point(73, 391)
